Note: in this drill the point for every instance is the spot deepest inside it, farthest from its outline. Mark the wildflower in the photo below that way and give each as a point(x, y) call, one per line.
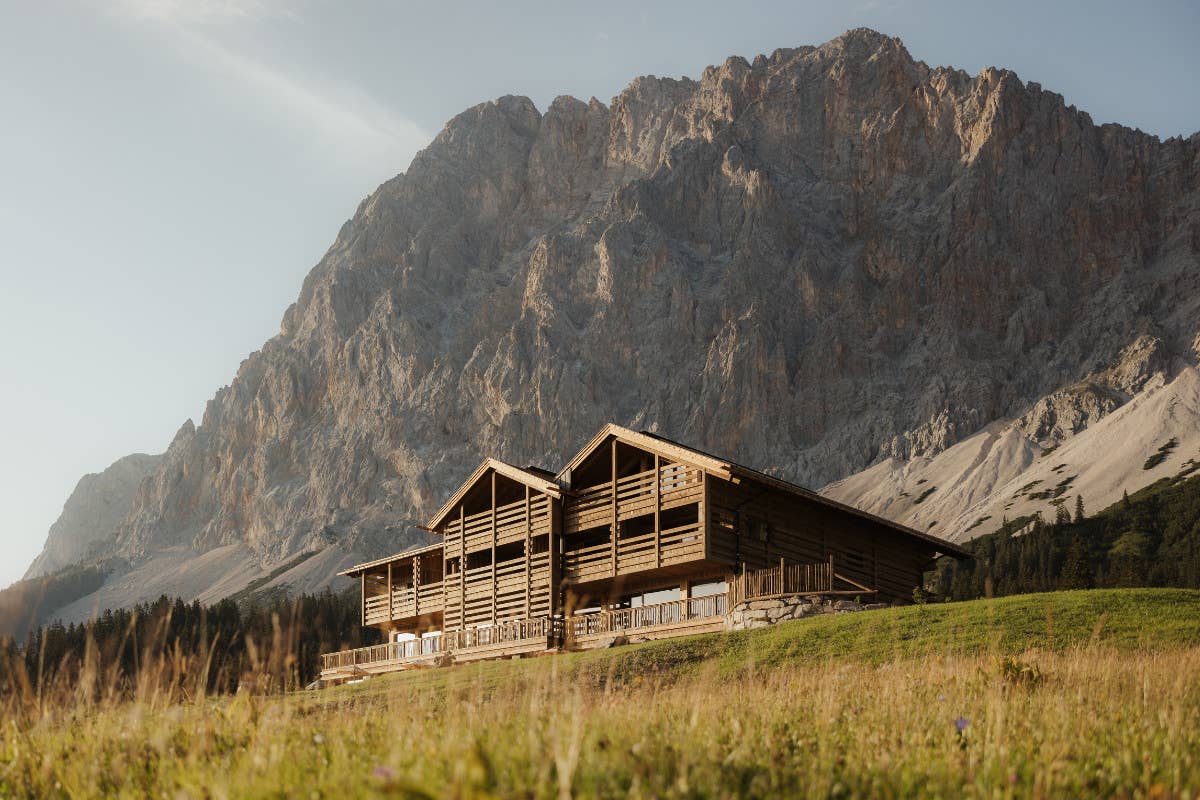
point(318, 739)
point(960, 724)
point(385, 773)
point(941, 697)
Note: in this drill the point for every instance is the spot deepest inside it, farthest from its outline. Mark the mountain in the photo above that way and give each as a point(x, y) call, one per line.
point(810, 262)
point(100, 501)
point(1014, 469)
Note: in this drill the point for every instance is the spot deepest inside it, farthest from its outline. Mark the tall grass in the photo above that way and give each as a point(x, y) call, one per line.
point(164, 672)
point(1072, 704)
point(1099, 723)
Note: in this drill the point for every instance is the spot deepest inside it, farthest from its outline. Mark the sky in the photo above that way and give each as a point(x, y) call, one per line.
point(171, 169)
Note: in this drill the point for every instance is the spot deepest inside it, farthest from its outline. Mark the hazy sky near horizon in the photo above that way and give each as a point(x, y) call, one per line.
point(171, 169)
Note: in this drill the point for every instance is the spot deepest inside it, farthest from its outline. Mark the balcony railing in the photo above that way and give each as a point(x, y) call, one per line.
point(504, 632)
point(792, 579)
point(675, 484)
point(669, 613)
point(542, 629)
point(389, 652)
point(405, 603)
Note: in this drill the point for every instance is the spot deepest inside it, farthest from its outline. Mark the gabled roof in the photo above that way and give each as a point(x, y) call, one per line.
point(530, 478)
point(655, 444)
point(729, 470)
point(409, 553)
point(943, 546)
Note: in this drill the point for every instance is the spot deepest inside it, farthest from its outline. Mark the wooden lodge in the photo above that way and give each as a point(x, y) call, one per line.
point(637, 535)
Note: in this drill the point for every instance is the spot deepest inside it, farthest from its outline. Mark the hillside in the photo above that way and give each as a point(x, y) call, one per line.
point(1149, 538)
point(1008, 471)
point(1065, 694)
point(808, 262)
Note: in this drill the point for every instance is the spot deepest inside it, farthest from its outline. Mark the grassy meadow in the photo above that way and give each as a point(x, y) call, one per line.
point(1064, 694)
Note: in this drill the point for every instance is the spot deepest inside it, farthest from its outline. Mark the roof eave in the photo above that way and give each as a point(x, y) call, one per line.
point(404, 554)
point(945, 547)
point(672, 450)
point(517, 474)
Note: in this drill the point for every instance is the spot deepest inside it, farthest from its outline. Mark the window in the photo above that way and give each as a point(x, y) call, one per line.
point(650, 598)
point(707, 589)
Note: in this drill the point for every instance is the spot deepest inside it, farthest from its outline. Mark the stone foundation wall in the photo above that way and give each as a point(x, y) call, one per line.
point(761, 613)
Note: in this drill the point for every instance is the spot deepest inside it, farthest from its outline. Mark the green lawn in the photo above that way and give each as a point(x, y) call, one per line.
point(1124, 619)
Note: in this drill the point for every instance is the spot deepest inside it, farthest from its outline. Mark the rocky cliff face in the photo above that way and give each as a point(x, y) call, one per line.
point(91, 514)
point(807, 262)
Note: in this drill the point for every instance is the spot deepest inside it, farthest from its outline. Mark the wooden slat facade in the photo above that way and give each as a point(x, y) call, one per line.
point(631, 515)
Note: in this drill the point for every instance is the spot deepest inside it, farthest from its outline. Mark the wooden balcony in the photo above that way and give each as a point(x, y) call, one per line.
point(645, 495)
point(658, 621)
point(676, 546)
point(511, 526)
point(406, 602)
point(514, 637)
point(677, 485)
point(793, 579)
point(381, 658)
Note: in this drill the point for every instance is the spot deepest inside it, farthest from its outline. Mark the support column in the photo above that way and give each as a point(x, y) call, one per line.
point(416, 585)
point(391, 614)
point(363, 582)
point(615, 523)
point(552, 557)
point(493, 547)
point(462, 567)
point(528, 547)
point(657, 511)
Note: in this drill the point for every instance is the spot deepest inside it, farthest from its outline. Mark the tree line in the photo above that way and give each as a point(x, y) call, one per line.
point(213, 649)
point(1150, 538)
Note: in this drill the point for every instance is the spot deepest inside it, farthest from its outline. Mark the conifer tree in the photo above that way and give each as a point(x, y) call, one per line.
point(1075, 569)
point(1079, 508)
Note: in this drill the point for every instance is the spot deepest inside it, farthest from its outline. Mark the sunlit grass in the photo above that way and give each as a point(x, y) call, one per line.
point(905, 702)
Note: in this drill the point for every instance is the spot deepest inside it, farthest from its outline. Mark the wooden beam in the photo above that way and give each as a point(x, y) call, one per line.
point(554, 547)
point(493, 547)
point(416, 585)
point(517, 474)
point(389, 591)
point(462, 567)
point(528, 546)
point(363, 577)
point(614, 507)
point(651, 444)
point(657, 511)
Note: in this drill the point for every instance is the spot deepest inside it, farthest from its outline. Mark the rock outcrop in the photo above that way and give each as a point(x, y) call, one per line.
point(808, 262)
point(91, 514)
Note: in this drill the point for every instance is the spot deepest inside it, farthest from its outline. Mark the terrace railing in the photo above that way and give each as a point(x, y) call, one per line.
point(512, 631)
point(625, 619)
point(792, 579)
point(412, 650)
point(388, 652)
